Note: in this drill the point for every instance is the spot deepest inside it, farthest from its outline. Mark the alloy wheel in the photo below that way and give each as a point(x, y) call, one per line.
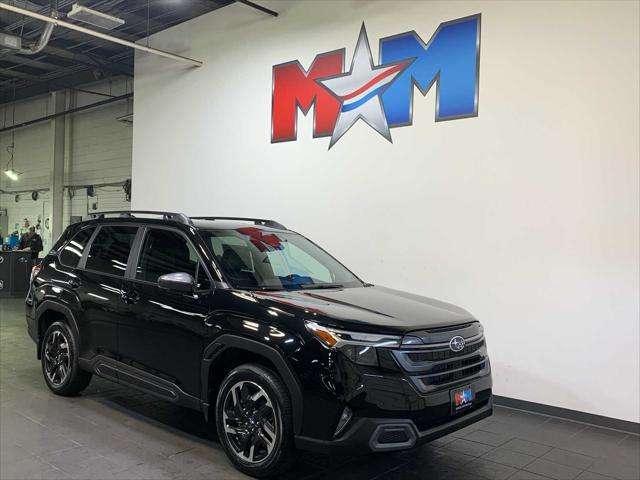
point(250, 421)
point(57, 358)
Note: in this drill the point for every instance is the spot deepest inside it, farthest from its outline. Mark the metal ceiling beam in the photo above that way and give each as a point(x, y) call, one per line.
point(43, 77)
point(34, 89)
point(71, 56)
point(64, 77)
point(258, 7)
point(135, 36)
point(32, 62)
point(113, 65)
point(36, 7)
point(33, 79)
point(72, 59)
point(109, 38)
point(66, 112)
point(89, 60)
point(124, 14)
point(5, 72)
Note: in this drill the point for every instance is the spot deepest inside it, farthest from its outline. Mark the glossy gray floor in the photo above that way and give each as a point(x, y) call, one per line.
point(112, 432)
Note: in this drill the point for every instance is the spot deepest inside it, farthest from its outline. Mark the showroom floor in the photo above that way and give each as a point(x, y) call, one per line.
point(113, 432)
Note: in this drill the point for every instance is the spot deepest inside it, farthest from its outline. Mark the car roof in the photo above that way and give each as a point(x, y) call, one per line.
point(232, 225)
point(181, 220)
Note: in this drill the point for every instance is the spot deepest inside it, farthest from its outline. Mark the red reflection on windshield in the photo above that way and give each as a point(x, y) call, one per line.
point(260, 240)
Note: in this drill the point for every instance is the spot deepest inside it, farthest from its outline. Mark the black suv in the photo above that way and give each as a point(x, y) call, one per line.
point(259, 329)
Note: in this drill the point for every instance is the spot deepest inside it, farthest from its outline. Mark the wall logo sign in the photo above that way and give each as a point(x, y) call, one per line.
point(382, 94)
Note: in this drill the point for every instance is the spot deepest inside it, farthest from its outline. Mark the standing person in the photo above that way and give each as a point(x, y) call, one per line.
point(32, 241)
point(23, 243)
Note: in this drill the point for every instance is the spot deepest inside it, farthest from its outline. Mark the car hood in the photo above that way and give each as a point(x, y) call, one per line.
point(368, 309)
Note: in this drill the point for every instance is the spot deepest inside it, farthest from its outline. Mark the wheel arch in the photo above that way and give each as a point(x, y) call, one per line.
point(255, 352)
point(48, 312)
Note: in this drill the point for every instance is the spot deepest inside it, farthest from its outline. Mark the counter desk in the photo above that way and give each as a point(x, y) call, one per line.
point(15, 269)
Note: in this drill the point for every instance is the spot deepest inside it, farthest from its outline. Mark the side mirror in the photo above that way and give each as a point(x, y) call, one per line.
point(179, 282)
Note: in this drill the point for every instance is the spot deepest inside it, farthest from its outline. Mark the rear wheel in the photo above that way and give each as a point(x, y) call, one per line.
point(254, 421)
point(60, 361)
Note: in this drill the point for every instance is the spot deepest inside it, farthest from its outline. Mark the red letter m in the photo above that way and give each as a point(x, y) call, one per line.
point(294, 87)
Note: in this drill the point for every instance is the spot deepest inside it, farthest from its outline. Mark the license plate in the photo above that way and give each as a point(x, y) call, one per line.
point(461, 399)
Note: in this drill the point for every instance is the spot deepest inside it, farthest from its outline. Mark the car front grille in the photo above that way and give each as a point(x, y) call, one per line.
point(438, 355)
point(437, 367)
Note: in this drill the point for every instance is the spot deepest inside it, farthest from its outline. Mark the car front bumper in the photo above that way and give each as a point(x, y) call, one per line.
point(374, 434)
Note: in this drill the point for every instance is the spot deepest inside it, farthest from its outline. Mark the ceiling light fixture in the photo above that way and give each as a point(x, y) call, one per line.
point(10, 169)
point(93, 17)
point(12, 174)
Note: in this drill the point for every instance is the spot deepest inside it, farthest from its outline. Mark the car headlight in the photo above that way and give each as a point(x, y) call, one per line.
point(358, 347)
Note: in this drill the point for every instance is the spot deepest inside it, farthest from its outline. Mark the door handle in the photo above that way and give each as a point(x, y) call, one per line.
point(209, 322)
point(23, 260)
point(130, 297)
point(212, 320)
point(74, 283)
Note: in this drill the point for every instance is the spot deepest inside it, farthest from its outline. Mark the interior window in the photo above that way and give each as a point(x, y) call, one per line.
point(300, 263)
point(110, 250)
point(251, 258)
point(72, 252)
point(165, 251)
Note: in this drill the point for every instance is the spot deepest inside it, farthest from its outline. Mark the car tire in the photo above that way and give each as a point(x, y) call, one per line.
point(59, 358)
point(254, 421)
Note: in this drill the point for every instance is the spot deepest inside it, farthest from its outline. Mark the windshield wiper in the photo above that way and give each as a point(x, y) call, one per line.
point(261, 289)
point(320, 285)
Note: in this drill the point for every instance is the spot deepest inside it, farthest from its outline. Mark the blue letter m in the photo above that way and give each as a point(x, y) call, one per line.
point(450, 58)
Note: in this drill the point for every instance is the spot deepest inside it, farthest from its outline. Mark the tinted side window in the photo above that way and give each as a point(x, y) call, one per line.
point(110, 249)
point(164, 251)
point(70, 255)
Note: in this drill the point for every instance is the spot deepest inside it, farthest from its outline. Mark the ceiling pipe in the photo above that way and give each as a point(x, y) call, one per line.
point(43, 40)
point(103, 36)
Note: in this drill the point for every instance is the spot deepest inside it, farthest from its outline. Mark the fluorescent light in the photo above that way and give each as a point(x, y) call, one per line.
point(12, 174)
point(93, 17)
point(10, 41)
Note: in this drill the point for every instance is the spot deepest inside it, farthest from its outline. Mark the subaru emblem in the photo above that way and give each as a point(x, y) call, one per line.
point(457, 343)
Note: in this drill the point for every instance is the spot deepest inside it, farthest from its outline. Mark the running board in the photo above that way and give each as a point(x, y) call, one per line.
point(124, 374)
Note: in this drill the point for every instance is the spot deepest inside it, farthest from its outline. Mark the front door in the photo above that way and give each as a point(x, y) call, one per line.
point(164, 333)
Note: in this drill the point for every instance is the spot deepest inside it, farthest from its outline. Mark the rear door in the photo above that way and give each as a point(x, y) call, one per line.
point(164, 332)
point(100, 288)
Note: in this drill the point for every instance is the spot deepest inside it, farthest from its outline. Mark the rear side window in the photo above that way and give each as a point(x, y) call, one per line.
point(71, 254)
point(164, 251)
point(110, 249)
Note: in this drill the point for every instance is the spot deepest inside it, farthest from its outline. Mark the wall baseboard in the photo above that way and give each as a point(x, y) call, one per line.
point(567, 414)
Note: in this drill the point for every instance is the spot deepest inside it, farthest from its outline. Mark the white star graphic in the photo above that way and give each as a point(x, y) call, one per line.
point(359, 90)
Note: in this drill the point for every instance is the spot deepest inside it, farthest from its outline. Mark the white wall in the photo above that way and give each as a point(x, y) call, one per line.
point(97, 150)
point(526, 215)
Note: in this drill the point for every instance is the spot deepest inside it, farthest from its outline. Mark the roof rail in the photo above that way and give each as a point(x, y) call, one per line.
point(257, 221)
point(171, 216)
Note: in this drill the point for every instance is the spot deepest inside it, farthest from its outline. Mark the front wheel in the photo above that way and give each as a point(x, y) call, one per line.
point(60, 367)
point(254, 421)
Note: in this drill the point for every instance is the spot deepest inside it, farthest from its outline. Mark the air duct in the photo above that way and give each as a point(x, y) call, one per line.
point(108, 38)
point(42, 41)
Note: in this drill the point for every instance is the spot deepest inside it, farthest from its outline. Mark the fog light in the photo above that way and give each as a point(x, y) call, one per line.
point(344, 420)
point(361, 354)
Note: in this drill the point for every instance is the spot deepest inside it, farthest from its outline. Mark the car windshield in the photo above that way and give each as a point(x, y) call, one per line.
point(253, 258)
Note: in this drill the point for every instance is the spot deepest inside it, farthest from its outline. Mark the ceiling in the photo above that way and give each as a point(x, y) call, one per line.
point(71, 59)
